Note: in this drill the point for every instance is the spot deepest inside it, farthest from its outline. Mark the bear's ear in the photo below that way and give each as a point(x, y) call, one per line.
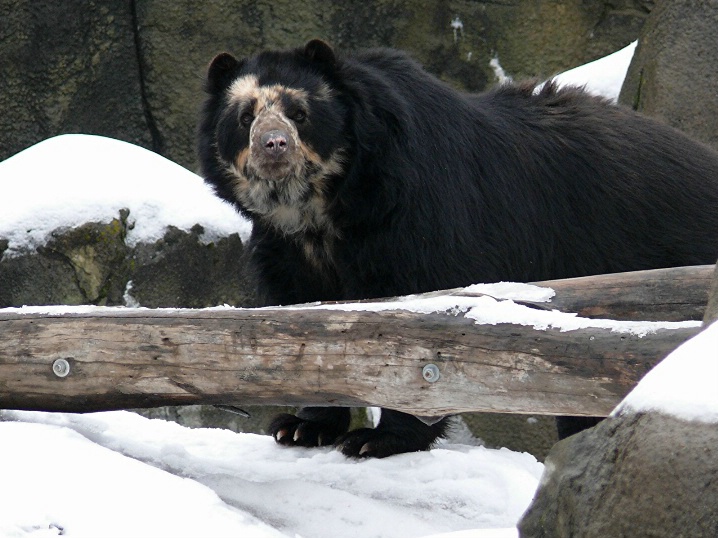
point(220, 71)
point(320, 51)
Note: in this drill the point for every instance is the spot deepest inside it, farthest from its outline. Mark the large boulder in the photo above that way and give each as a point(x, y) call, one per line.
point(81, 265)
point(93, 264)
point(649, 470)
point(91, 220)
point(182, 271)
point(674, 70)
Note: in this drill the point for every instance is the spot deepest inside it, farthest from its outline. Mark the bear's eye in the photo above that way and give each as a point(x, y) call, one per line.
point(246, 119)
point(299, 116)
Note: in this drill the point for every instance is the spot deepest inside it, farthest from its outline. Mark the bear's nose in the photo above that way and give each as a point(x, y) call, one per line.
point(274, 142)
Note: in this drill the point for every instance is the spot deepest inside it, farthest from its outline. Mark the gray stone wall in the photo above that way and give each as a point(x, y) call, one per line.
point(133, 69)
point(69, 66)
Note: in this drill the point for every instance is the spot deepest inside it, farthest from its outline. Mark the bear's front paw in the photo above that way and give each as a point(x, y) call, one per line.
point(290, 430)
point(378, 443)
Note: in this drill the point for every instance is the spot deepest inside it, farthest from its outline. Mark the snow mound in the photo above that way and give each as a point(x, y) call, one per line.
point(69, 180)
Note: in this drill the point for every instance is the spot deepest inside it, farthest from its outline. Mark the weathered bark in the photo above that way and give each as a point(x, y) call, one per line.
point(675, 294)
point(122, 358)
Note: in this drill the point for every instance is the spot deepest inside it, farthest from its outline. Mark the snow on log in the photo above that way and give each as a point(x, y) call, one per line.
point(499, 348)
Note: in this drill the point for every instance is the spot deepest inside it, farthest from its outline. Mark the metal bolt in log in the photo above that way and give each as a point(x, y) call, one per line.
point(431, 373)
point(61, 368)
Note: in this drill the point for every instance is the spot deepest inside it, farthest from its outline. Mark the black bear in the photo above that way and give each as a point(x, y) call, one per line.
point(367, 177)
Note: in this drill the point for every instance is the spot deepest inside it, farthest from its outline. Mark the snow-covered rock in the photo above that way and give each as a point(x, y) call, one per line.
point(651, 469)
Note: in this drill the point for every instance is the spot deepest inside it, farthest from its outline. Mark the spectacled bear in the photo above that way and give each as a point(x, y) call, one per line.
point(367, 177)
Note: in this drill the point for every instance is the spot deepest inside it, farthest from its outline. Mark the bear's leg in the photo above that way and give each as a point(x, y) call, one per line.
point(312, 426)
point(396, 433)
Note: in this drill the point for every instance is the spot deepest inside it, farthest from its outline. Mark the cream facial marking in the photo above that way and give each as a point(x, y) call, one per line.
point(246, 90)
point(243, 87)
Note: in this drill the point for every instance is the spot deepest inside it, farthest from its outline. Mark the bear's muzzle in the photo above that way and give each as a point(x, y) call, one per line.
point(273, 146)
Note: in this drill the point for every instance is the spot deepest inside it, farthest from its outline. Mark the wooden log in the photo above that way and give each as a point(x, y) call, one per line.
point(675, 294)
point(120, 358)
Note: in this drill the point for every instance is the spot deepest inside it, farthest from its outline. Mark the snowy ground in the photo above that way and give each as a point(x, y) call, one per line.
point(119, 474)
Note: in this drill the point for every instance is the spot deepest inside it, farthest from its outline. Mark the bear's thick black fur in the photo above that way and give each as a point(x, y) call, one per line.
point(367, 177)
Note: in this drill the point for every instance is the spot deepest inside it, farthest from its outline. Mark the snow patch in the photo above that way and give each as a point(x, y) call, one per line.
point(127, 298)
point(499, 72)
point(58, 482)
point(603, 77)
point(514, 291)
point(458, 28)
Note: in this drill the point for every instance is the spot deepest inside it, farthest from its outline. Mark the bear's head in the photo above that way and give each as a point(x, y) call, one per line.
point(272, 139)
